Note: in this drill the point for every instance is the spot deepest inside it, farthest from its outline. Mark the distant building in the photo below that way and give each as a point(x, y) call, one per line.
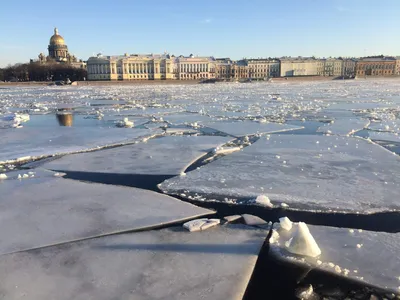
point(58, 53)
point(397, 68)
point(150, 67)
point(227, 69)
point(376, 66)
point(195, 68)
point(349, 67)
point(330, 67)
point(262, 68)
point(241, 70)
point(300, 66)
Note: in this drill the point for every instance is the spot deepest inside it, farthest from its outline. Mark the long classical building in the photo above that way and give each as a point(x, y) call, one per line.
point(150, 67)
point(170, 67)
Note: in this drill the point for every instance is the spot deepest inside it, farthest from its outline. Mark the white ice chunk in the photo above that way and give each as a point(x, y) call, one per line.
point(201, 224)
point(232, 218)
point(305, 293)
point(125, 123)
point(303, 243)
point(210, 223)
point(226, 150)
point(274, 236)
point(194, 225)
point(253, 220)
point(285, 223)
point(263, 201)
point(181, 131)
point(3, 176)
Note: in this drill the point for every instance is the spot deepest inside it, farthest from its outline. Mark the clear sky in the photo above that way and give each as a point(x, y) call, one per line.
point(221, 28)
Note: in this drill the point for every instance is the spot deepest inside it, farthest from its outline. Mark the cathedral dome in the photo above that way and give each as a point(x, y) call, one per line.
point(56, 39)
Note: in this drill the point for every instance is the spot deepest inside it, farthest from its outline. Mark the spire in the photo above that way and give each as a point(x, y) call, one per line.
point(55, 30)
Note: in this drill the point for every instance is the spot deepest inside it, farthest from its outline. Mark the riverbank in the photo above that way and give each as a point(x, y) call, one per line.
point(189, 82)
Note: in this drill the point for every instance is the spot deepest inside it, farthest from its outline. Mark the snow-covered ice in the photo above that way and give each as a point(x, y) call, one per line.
point(37, 142)
point(201, 224)
point(243, 128)
point(344, 126)
point(384, 136)
point(253, 220)
point(47, 210)
point(377, 262)
point(160, 264)
point(327, 173)
point(169, 155)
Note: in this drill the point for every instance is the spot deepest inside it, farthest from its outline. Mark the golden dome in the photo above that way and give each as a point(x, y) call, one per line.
point(56, 39)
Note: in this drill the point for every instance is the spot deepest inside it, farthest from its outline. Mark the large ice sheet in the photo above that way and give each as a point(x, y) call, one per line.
point(384, 136)
point(386, 126)
point(169, 155)
point(249, 127)
point(344, 126)
point(166, 264)
point(368, 256)
point(186, 118)
point(41, 211)
point(328, 173)
point(37, 142)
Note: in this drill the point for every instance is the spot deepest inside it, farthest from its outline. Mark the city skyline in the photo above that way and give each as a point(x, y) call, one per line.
point(223, 29)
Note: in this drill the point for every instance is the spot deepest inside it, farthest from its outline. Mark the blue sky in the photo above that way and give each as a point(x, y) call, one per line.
point(222, 28)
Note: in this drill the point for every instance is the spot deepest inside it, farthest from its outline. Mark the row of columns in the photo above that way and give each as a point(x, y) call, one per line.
point(139, 68)
point(194, 68)
point(99, 69)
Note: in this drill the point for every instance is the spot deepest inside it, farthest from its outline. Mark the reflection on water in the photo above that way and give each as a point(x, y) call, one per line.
point(65, 119)
point(65, 116)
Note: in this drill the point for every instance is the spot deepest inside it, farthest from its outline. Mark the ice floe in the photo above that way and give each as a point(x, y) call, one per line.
point(317, 173)
point(46, 210)
point(169, 264)
point(242, 128)
point(169, 155)
point(344, 126)
point(38, 142)
point(370, 257)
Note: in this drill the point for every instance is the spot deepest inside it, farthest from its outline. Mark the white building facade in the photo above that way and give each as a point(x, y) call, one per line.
point(299, 67)
point(150, 67)
point(262, 68)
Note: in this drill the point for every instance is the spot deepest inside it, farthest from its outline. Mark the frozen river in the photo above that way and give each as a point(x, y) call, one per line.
point(314, 147)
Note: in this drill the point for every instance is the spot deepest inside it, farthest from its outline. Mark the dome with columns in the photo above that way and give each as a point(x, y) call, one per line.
point(56, 39)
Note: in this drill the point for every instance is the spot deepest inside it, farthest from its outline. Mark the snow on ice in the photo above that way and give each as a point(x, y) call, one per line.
point(38, 142)
point(238, 128)
point(47, 209)
point(169, 155)
point(344, 126)
point(212, 264)
point(317, 173)
point(367, 256)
